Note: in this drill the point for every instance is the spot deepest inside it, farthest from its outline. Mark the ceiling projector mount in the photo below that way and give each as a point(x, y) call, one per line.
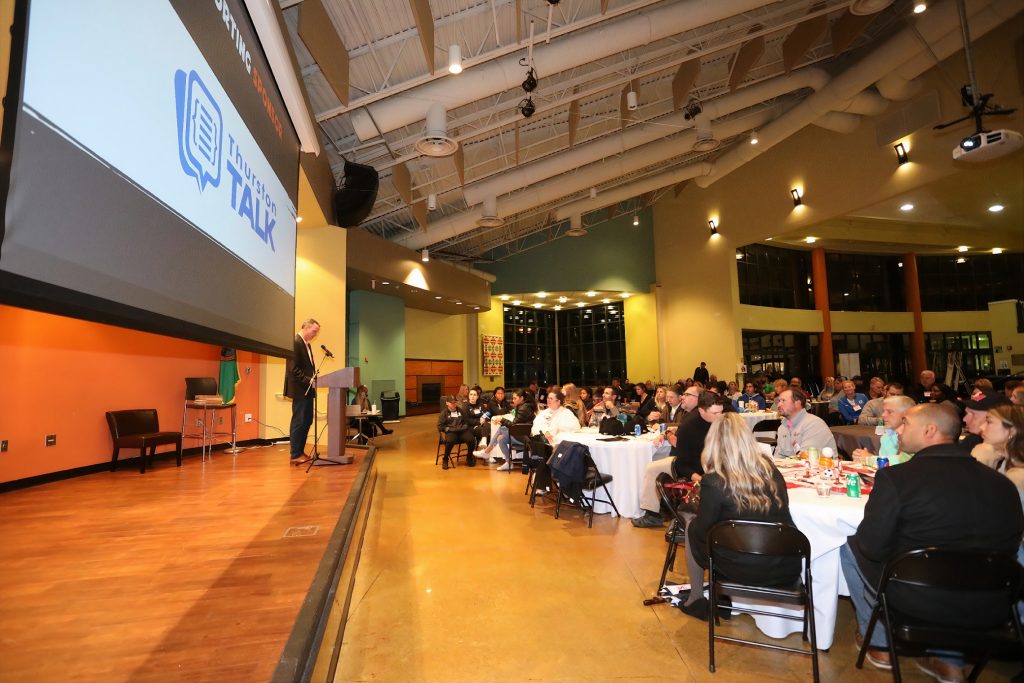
point(983, 144)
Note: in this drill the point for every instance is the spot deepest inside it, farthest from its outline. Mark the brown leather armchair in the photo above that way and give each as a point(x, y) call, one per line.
point(139, 429)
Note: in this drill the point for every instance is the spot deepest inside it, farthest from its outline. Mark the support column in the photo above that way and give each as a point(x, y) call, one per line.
point(819, 274)
point(912, 287)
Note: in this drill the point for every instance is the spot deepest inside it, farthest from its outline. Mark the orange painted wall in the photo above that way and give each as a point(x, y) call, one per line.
point(59, 375)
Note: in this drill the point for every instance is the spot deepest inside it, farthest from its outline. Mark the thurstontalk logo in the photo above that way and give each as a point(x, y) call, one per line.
point(200, 129)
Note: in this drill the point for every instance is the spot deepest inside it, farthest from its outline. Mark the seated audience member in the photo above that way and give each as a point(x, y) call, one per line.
point(499, 404)
point(741, 483)
point(893, 408)
point(829, 391)
point(684, 461)
point(674, 409)
point(909, 508)
point(463, 394)
point(749, 394)
point(851, 403)
point(1009, 387)
point(533, 388)
point(982, 386)
point(617, 390)
point(606, 407)
point(476, 414)
point(1001, 424)
point(688, 382)
point(876, 388)
point(796, 383)
point(800, 430)
point(645, 401)
point(454, 425)
point(573, 402)
point(778, 386)
point(660, 404)
point(871, 413)
point(524, 410)
point(1017, 398)
point(930, 391)
point(587, 398)
point(1012, 418)
point(733, 391)
point(555, 419)
point(975, 410)
point(371, 423)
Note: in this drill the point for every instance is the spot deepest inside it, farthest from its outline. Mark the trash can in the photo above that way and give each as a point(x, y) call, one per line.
point(389, 405)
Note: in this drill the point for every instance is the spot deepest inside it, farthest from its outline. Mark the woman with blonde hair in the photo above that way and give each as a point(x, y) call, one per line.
point(371, 423)
point(740, 482)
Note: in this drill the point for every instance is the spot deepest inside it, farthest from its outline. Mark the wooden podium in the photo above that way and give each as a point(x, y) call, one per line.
point(337, 384)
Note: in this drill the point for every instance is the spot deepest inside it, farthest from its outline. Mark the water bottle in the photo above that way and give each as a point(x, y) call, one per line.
point(636, 429)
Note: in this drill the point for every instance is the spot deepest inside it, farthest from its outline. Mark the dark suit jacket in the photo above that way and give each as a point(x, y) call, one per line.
point(689, 445)
point(298, 370)
point(943, 497)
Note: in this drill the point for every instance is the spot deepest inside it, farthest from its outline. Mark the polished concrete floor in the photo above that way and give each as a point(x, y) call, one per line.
point(460, 580)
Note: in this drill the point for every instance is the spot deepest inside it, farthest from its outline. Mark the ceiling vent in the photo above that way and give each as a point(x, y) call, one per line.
point(489, 214)
point(576, 228)
point(435, 141)
point(705, 141)
point(865, 7)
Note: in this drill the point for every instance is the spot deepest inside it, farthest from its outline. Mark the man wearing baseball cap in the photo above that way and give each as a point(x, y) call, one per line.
point(974, 417)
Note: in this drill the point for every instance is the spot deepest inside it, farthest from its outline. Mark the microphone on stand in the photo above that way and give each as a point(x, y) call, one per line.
point(326, 352)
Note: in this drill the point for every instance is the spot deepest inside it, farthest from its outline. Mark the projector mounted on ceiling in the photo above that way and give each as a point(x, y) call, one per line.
point(986, 146)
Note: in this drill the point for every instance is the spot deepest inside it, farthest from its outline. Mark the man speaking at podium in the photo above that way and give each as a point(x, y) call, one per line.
point(298, 385)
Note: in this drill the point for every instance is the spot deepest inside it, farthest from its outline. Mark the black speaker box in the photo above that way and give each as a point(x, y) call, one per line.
point(355, 198)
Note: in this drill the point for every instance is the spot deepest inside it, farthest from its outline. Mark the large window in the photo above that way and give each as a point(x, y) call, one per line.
point(880, 355)
point(769, 276)
point(968, 283)
point(864, 282)
point(785, 353)
point(586, 345)
point(591, 344)
point(975, 349)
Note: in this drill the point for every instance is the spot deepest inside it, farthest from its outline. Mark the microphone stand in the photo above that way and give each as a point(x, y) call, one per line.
point(316, 459)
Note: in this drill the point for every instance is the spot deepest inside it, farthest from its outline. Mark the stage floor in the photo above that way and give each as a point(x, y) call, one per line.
point(194, 573)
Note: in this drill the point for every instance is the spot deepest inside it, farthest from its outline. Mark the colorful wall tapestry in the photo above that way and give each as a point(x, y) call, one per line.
point(493, 355)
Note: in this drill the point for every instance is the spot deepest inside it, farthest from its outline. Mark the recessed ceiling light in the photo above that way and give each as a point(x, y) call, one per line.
point(920, 7)
point(997, 250)
point(810, 240)
point(385, 282)
point(907, 207)
point(542, 295)
point(516, 302)
point(458, 303)
point(538, 305)
point(437, 297)
point(961, 260)
point(476, 308)
point(846, 294)
point(739, 255)
point(606, 301)
point(591, 293)
point(298, 219)
point(962, 248)
point(580, 304)
point(557, 307)
point(900, 264)
point(504, 297)
point(996, 208)
point(562, 299)
point(626, 295)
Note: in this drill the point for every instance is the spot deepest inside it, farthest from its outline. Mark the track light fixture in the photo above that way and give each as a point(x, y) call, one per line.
point(902, 154)
point(797, 197)
point(530, 84)
point(454, 59)
point(692, 109)
point(526, 108)
point(425, 255)
point(431, 201)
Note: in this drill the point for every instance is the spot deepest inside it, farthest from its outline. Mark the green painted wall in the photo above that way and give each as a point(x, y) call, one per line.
point(615, 256)
point(376, 341)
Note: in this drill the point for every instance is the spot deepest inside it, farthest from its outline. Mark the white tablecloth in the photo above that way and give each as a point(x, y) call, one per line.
point(826, 522)
point(751, 419)
point(626, 461)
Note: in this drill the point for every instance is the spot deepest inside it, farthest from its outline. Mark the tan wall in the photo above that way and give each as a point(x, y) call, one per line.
point(434, 336)
point(872, 321)
point(781, 319)
point(1003, 316)
point(957, 321)
point(319, 293)
point(642, 357)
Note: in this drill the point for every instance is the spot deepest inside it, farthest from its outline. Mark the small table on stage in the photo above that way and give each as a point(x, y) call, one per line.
point(354, 412)
point(625, 460)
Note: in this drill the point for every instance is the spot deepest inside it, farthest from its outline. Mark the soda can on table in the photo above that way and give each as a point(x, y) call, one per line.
point(853, 485)
point(881, 462)
point(636, 430)
point(661, 428)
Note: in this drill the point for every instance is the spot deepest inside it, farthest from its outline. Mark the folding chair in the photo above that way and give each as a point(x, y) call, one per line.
point(765, 539)
point(457, 451)
point(591, 480)
point(520, 433)
point(675, 535)
point(767, 426)
point(991, 582)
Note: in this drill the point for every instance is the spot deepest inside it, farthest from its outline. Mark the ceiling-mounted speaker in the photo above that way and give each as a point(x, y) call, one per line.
point(354, 200)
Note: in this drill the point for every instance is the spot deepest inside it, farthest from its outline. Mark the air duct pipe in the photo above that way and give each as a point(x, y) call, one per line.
point(635, 136)
point(839, 122)
point(931, 27)
point(567, 52)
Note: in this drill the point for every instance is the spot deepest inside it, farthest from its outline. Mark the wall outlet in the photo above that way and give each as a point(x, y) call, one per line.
point(51, 439)
point(248, 371)
point(199, 422)
point(248, 418)
point(220, 420)
point(3, 446)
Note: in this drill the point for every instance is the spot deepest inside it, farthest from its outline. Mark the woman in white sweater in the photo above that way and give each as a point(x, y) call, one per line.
point(555, 419)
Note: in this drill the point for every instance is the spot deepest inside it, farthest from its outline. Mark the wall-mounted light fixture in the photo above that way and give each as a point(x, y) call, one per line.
point(902, 153)
point(454, 59)
point(713, 225)
point(753, 137)
point(636, 220)
point(798, 198)
point(424, 255)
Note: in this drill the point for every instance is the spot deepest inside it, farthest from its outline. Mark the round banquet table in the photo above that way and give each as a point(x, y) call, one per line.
point(826, 521)
point(626, 461)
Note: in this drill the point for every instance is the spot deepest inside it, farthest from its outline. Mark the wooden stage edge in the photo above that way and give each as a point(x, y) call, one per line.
point(314, 645)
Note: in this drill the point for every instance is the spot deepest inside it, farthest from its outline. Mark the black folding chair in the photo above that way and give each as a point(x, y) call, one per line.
point(767, 426)
point(675, 535)
point(991, 582)
point(592, 479)
point(765, 539)
point(459, 450)
point(520, 433)
point(538, 450)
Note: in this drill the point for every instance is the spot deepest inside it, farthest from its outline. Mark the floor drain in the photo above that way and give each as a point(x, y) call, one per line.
point(295, 531)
